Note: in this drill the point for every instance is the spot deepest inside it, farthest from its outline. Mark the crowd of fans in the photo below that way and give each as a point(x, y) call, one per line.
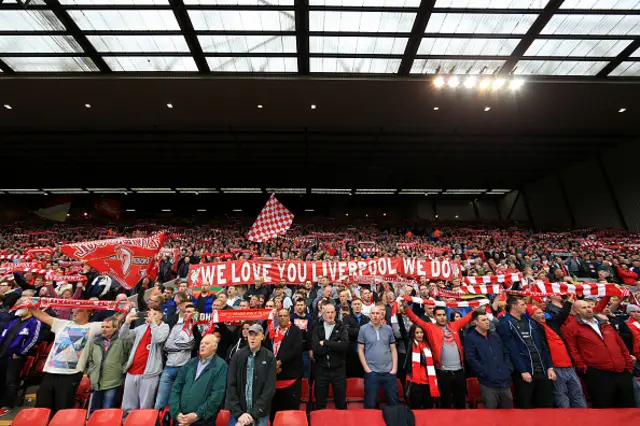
point(557, 351)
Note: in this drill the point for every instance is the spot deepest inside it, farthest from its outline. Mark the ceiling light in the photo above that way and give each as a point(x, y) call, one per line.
point(87, 105)
point(131, 210)
point(7, 106)
point(498, 83)
point(366, 215)
point(622, 110)
point(337, 191)
point(438, 82)
point(202, 210)
point(242, 190)
point(166, 210)
point(470, 82)
point(456, 216)
point(485, 83)
point(259, 106)
point(22, 190)
point(313, 106)
point(346, 214)
point(151, 189)
point(436, 216)
point(86, 214)
point(486, 109)
point(169, 106)
point(516, 84)
point(68, 215)
point(454, 81)
point(237, 210)
point(288, 190)
point(384, 214)
point(436, 108)
point(156, 192)
point(309, 210)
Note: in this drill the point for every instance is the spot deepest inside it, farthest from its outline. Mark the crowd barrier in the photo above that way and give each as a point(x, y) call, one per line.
point(357, 417)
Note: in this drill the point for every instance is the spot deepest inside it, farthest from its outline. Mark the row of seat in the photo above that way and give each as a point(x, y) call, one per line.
point(114, 416)
point(354, 395)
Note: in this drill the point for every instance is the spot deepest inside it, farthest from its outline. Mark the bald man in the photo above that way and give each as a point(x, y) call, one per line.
point(602, 357)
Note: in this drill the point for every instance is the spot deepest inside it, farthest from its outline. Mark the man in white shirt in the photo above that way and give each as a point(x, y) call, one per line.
point(66, 361)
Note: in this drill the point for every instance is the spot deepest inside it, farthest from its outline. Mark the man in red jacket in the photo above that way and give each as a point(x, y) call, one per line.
point(600, 354)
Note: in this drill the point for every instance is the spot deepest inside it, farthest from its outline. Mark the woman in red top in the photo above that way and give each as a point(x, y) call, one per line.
point(421, 374)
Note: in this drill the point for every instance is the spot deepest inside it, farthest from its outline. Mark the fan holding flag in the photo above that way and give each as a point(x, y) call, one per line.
point(274, 220)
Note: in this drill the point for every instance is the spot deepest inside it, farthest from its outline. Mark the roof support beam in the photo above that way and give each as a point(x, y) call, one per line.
point(419, 27)
point(622, 56)
point(186, 26)
point(541, 21)
point(302, 35)
point(80, 38)
point(6, 68)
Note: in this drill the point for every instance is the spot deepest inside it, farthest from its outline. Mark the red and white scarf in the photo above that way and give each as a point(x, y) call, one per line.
point(94, 305)
point(429, 367)
point(278, 337)
point(493, 279)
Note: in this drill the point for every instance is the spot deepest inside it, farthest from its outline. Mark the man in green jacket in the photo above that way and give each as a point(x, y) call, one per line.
point(198, 392)
point(107, 356)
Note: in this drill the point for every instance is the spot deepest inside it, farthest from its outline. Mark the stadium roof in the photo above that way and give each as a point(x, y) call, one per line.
point(571, 39)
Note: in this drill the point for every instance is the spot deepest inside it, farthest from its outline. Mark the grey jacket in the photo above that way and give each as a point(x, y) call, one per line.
point(159, 335)
point(179, 345)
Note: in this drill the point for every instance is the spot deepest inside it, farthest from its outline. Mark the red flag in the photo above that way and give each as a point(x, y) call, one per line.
point(126, 260)
point(273, 220)
point(109, 207)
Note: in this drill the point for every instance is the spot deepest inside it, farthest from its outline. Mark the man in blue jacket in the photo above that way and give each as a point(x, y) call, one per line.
point(529, 354)
point(16, 341)
point(489, 361)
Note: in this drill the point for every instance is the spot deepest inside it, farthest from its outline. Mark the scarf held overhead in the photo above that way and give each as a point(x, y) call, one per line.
point(46, 303)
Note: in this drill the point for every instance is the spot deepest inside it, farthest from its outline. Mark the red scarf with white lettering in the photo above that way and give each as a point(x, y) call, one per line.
point(418, 370)
point(278, 336)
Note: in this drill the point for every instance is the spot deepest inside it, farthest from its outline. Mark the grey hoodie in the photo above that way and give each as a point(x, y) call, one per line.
point(159, 334)
point(179, 345)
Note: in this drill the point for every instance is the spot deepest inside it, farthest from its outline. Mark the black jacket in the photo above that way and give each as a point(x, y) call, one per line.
point(290, 354)
point(264, 383)
point(558, 316)
point(353, 328)
point(332, 353)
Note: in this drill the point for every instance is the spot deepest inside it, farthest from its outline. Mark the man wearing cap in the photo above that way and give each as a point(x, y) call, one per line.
point(600, 354)
point(634, 323)
point(567, 387)
point(251, 383)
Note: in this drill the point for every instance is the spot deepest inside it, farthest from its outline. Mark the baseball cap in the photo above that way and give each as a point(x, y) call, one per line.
point(256, 328)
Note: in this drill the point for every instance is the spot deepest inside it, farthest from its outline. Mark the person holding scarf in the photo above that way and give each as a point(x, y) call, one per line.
point(286, 344)
point(422, 382)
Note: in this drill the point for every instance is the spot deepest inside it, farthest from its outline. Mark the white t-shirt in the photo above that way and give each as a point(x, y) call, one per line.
point(68, 355)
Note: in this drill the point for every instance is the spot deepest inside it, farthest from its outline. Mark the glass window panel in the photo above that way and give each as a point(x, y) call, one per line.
point(636, 54)
point(493, 4)
point(123, 20)
point(241, 2)
point(486, 23)
point(467, 46)
point(50, 64)
point(375, 22)
point(355, 65)
point(107, 43)
point(223, 64)
point(626, 69)
point(358, 45)
point(248, 44)
point(598, 48)
point(151, 63)
point(114, 2)
point(429, 66)
point(601, 4)
point(29, 20)
point(366, 3)
point(593, 25)
point(246, 20)
point(559, 67)
point(38, 44)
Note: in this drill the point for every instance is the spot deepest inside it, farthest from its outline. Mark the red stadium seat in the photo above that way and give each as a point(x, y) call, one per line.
point(140, 418)
point(473, 392)
point(347, 418)
point(223, 418)
point(106, 417)
point(291, 418)
point(305, 397)
point(71, 417)
point(83, 394)
point(32, 417)
point(383, 400)
point(355, 393)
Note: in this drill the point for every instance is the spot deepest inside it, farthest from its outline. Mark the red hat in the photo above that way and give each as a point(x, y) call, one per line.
point(531, 309)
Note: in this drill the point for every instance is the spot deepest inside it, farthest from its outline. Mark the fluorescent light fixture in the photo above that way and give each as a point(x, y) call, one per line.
point(241, 190)
point(131, 210)
point(470, 82)
point(107, 189)
point(151, 189)
point(335, 191)
point(313, 106)
point(622, 110)
point(27, 193)
point(156, 192)
point(87, 105)
point(309, 210)
point(486, 109)
point(376, 192)
point(69, 192)
point(169, 106)
point(485, 83)
point(7, 106)
point(454, 82)
point(199, 192)
point(516, 84)
point(456, 216)
point(498, 83)
point(166, 210)
point(288, 190)
point(62, 189)
point(237, 210)
point(372, 189)
point(436, 108)
point(195, 189)
point(436, 216)
point(259, 106)
point(439, 82)
point(501, 190)
point(202, 210)
point(22, 190)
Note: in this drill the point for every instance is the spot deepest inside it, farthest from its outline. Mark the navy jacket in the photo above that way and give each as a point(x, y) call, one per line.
point(517, 348)
point(488, 359)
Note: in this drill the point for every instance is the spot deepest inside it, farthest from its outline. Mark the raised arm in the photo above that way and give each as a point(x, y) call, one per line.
point(42, 316)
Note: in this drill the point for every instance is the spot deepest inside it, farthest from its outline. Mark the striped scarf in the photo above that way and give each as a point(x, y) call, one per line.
point(416, 365)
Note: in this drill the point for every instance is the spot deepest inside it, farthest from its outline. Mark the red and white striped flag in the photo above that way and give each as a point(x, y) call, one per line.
point(273, 220)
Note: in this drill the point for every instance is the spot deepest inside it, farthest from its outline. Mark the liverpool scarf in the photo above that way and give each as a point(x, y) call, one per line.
point(420, 349)
point(43, 303)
